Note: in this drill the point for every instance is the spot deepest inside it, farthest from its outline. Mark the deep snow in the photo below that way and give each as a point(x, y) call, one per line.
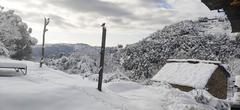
point(48, 89)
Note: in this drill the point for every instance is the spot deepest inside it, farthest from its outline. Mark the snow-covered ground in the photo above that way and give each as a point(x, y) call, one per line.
point(48, 89)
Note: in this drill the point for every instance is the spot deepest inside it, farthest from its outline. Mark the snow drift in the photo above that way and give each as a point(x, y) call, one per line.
point(48, 89)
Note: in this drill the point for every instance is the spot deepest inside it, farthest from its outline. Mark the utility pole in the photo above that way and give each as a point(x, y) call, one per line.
point(46, 22)
point(104, 31)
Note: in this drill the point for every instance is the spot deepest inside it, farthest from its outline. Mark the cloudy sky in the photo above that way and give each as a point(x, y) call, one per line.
point(128, 21)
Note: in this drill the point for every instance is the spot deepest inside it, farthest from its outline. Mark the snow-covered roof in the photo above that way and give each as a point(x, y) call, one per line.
point(194, 75)
point(194, 60)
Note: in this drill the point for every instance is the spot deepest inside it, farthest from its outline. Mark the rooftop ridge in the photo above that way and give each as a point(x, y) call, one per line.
point(194, 61)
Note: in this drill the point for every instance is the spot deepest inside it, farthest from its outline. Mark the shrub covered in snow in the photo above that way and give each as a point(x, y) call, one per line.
point(238, 37)
point(3, 50)
point(84, 60)
point(203, 97)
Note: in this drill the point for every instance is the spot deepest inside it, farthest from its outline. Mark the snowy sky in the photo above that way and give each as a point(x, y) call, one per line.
point(128, 21)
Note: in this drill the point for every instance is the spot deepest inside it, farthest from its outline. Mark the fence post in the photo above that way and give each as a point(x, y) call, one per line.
point(104, 31)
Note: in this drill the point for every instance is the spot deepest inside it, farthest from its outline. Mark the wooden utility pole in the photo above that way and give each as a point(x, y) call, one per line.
point(46, 22)
point(104, 31)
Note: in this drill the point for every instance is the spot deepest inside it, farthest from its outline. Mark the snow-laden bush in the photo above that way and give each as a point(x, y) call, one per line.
point(238, 37)
point(15, 36)
point(234, 65)
point(75, 65)
point(203, 19)
point(203, 97)
point(85, 62)
point(3, 50)
point(200, 98)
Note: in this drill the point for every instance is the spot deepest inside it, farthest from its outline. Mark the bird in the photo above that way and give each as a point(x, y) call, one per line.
point(103, 25)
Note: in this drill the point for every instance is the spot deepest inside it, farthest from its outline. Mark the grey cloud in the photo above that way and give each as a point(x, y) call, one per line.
point(30, 16)
point(31, 5)
point(56, 20)
point(118, 21)
point(120, 17)
point(156, 3)
point(92, 6)
point(18, 0)
point(60, 21)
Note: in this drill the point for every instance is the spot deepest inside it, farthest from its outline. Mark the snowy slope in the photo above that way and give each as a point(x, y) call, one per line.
point(208, 39)
point(48, 89)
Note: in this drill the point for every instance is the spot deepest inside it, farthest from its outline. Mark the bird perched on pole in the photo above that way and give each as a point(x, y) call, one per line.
point(103, 24)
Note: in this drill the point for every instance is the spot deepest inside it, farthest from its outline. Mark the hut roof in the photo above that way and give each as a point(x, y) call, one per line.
point(191, 73)
point(193, 61)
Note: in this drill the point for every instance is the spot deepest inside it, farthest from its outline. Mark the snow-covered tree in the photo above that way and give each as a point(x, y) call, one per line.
point(15, 36)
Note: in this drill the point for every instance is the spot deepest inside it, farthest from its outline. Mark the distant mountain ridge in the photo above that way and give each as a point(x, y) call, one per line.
point(61, 49)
